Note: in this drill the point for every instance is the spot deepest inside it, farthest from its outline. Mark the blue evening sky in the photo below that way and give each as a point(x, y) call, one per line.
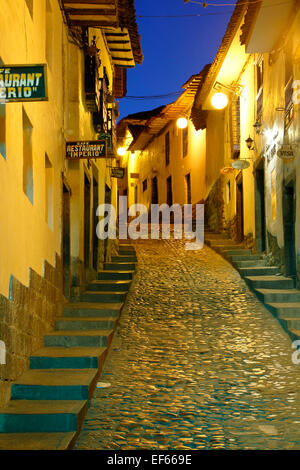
point(174, 48)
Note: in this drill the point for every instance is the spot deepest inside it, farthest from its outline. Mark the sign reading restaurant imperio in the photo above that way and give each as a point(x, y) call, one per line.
point(86, 149)
point(23, 83)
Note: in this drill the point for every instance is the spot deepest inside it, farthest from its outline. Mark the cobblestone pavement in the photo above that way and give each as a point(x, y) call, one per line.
point(196, 363)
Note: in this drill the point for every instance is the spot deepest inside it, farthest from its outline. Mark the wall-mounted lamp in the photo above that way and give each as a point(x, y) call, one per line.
point(220, 99)
point(182, 122)
point(121, 151)
point(250, 143)
point(258, 127)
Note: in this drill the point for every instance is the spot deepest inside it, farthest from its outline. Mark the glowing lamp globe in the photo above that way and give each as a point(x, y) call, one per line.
point(219, 101)
point(182, 123)
point(121, 151)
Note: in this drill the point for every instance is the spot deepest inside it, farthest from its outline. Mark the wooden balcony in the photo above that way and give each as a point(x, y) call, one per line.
point(99, 13)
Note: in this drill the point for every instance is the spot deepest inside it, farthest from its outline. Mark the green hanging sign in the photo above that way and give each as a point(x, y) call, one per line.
point(23, 83)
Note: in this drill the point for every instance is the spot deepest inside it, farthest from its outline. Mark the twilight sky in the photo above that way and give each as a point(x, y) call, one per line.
point(174, 48)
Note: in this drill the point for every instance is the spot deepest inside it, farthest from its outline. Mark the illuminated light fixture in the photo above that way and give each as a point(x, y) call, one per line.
point(250, 143)
point(182, 123)
point(121, 151)
point(219, 100)
point(257, 126)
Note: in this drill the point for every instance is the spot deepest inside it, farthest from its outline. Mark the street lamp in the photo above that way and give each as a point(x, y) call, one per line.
point(182, 123)
point(219, 100)
point(250, 143)
point(121, 151)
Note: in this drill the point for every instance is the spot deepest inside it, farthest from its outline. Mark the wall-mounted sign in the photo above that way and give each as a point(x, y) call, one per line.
point(23, 83)
point(134, 175)
point(286, 152)
point(86, 149)
point(117, 172)
point(107, 137)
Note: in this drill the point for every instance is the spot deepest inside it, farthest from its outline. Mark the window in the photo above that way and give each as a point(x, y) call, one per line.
point(2, 126)
point(228, 192)
point(185, 134)
point(48, 192)
point(288, 91)
point(144, 185)
point(273, 194)
point(29, 4)
point(167, 148)
point(235, 126)
point(259, 88)
point(49, 34)
point(27, 158)
point(188, 188)
point(3, 130)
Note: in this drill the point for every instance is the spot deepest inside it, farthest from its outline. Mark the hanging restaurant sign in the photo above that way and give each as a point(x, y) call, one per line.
point(117, 172)
point(286, 152)
point(86, 149)
point(23, 83)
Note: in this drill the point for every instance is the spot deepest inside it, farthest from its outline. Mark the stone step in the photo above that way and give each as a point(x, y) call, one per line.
point(119, 266)
point(55, 384)
point(124, 259)
point(124, 245)
point(38, 441)
point(22, 416)
point(90, 309)
point(86, 323)
point(119, 286)
point(234, 252)
point(294, 333)
point(259, 271)
point(251, 257)
point(250, 263)
point(226, 243)
point(292, 323)
point(69, 338)
point(115, 275)
point(215, 236)
point(270, 296)
point(270, 282)
point(103, 297)
point(68, 358)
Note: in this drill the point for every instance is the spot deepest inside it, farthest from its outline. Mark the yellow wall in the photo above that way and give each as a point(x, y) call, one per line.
point(150, 163)
point(26, 239)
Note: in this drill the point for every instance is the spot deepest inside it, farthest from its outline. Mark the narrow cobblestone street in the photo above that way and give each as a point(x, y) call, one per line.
point(196, 363)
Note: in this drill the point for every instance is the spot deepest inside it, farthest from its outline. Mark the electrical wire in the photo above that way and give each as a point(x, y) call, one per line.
point(208, 4)
point(151, 97)
point(213, 13)
point(186, 16)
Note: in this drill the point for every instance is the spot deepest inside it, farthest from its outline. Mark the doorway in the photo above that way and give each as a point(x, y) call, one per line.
point(240, 208)
point(107, 201)
point(95, 238)
point(154, 191)
point(169, 192)
point(289, 218)
point(87, 224)
point(260, 211)
point(66, 248)
point(188, 188)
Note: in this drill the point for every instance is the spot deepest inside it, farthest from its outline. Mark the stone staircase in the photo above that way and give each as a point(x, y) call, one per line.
point(276, 291)
point(50, 400)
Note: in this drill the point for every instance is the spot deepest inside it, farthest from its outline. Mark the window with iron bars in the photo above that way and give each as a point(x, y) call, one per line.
point(236, 126)
point(259, 88)
point(288, 92)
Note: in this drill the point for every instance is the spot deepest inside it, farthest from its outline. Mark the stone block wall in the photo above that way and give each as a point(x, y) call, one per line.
point(214, 208)
point(24, 320)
